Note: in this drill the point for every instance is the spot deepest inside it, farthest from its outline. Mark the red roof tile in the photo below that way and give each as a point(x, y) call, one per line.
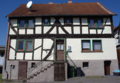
point(94, 8)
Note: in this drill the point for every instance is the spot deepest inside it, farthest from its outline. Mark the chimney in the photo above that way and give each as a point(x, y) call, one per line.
point(69, 1)
point(50, 2)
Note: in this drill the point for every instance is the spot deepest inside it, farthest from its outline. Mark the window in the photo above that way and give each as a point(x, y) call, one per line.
point(46, 21)
point(25, 45)
point(99, 23)
point(60, 46)
point(13, 66)
point(32, 64)
point(86, 45)
point(30, 23)
point(68, 21)
point(22, 23)
point(1, 54)
point(85, 64)
point(20, 45)
point(96, 45)
point(29, 46)
point(92, 25)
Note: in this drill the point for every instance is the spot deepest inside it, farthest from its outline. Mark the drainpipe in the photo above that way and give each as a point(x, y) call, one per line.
point(6, 50)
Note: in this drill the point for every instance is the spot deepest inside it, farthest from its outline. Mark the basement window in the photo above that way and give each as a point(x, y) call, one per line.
point(85, 64)
point(13, 66)
point(32, 65)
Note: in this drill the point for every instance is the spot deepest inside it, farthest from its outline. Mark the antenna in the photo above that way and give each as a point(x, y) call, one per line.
point(29, 4)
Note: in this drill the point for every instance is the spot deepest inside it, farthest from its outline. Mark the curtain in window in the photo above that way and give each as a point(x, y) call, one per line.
point(86, 44)
point(97, 46)
point(29, 45)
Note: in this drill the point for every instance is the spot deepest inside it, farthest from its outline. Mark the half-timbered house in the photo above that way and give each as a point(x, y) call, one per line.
point(52, 42)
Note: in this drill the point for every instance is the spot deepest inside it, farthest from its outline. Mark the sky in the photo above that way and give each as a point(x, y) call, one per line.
point(7, 6)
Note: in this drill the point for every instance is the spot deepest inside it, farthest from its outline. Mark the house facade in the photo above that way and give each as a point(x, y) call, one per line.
point(52, 42)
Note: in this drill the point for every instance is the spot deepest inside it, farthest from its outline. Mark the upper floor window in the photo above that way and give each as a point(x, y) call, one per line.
point(86, 45)
point(30, 23)
point(25, 45)
point(96, 45)
point(29, 46)
point(22, 23)
point(68, 21)
point(46, 21)
point(20, 46)
point(99, 23)
point(92, 23)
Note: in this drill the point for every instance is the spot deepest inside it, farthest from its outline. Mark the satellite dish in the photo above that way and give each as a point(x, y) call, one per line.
point(29, 4)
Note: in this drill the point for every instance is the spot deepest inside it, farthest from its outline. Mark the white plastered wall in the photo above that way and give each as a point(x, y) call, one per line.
point(12, 52)
point(68, 29)
point(21, 31)
point(11, 32)
point(37, 53)
point(92, 31)
point(76, 21)
point(51, 57)
point(19, 56)
point(99, 31)
point(14, 23)
point(84, 30)
point(52, 20)
point(61, 20)
point(109, 50)
point(107, 30)
point(29, 31)
point(108, 21)
point(61, 31)
point(76, 29)
point(54, 31)
point(47, 44)
point(38, 30)
point(46, 29)
point(28, 56)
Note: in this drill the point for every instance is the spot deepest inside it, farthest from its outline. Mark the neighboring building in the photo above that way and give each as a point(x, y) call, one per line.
point(52, 42)
point(2, 51)
point(117, 37)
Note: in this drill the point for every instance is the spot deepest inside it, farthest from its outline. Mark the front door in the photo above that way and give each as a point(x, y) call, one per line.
point(22, 73)
point(60, 50)
point(107, 67)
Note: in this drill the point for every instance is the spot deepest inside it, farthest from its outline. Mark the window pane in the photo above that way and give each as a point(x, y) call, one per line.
point(97, 45)
point(91, 23)
point(22, 23)
point(68, 21)
point(29, 45)
point(46, 21)
point(20, 45)
point(61, 46)
point(30, 23)
point(86, 44)
point(58, 46)
point(99, 23)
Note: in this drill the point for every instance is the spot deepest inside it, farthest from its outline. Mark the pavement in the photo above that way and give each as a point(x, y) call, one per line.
point(85, 79)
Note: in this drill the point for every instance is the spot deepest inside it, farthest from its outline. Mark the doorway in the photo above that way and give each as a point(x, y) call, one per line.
point(107, 67)
point(22, 73)
point(60, 50)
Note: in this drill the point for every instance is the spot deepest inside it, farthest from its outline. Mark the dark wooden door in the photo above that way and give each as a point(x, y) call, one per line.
point(22, 73)
point(107, 67)
point(60, 50)
point(59, 72)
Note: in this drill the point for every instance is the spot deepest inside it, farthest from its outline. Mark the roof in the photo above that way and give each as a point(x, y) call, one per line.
point(93, 8)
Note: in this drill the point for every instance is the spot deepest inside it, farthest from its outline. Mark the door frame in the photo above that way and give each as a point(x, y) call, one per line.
point(55, 52)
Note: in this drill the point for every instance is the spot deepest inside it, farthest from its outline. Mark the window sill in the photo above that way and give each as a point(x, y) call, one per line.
point(96, 28)
point(91, 51)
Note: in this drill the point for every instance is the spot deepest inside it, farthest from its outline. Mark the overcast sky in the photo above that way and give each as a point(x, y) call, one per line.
point(7, 6)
